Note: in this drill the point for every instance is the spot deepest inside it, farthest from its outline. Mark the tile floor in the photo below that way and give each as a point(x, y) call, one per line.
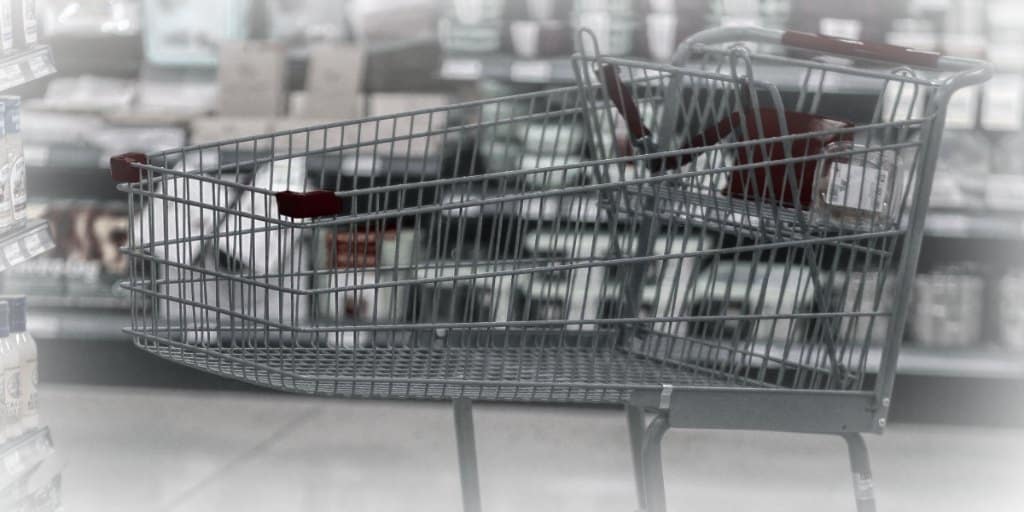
point(163, 450)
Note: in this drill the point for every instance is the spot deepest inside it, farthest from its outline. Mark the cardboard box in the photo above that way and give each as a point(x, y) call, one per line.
point(334, 82)
point(251, 79)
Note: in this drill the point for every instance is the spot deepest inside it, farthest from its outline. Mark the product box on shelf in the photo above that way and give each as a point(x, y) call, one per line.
point(355, 268)
point(251, 77)
point(189, 32)
point(1010, 294)
point(302, 24)
point(75, 18)
point(334, 81)
point(947, 308)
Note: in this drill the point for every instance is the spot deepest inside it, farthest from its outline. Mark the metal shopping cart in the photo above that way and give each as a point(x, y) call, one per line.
point(710, 242)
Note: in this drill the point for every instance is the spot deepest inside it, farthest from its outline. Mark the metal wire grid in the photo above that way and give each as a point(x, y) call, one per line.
point(468, 262)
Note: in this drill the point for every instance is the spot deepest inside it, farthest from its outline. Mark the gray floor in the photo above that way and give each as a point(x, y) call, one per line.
point(144, 450)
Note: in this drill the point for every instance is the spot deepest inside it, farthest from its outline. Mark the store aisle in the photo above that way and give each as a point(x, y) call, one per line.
point(149, 449)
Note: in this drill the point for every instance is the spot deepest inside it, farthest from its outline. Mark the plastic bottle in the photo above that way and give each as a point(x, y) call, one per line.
point(6, 207)
point(15, 151)
point(4, 420)
point(28, 355)
point(11, 364)
point(23, 23)
point(6, 26)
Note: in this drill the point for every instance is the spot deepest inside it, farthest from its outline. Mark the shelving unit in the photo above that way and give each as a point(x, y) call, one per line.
point(23, 484)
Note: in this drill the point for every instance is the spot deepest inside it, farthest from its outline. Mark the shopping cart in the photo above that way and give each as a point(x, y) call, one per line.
point(702, 241)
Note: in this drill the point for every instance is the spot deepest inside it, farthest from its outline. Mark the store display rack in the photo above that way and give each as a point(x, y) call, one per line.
point(23, 486)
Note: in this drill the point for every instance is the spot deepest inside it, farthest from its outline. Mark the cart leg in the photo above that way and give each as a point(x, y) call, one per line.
point(635, 421)
point(465, 441)
point(653, 476)
point(860, 466)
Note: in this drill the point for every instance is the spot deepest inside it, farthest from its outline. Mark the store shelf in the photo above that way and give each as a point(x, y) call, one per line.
point(77, 324)
point(26, 65)
point(64, 157)
point(994, 363)
point(975, 224)
point(24, 243)
point(508, 68)
point(981, 362)
point(559, 71)
point(93, 302)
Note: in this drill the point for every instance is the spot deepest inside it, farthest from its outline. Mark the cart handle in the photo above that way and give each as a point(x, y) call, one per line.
point(306, 205)
point(828, 44)
point(123, 168)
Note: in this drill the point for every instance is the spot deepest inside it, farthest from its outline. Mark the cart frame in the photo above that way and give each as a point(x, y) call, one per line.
point(827, 407)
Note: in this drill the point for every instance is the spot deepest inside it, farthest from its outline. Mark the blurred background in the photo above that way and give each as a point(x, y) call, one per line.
point(114, 76)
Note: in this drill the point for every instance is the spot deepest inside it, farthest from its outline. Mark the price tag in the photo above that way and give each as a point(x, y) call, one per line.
point(530, 71)
point(47, 327)
point(13, 254)
point(39, 66)
point(36, 155)
point(462, 69)
point(948, 224)
point(962, 111)
point(33, 244)
point(10, 75)
point(839, 27)
point(1002, 107)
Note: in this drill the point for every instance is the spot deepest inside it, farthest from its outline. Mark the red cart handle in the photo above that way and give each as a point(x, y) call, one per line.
point(123, 169)
point(825, 44)
point(623, 101)
point(305, 205)
point(861, 49)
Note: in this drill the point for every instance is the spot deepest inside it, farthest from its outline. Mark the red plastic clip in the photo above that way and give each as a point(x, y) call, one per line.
point(304, 205)
point(122, 170)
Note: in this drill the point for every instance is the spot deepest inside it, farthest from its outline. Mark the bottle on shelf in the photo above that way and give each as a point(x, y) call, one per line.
point(6, 205)
point(15, 153)
point(10, 361)
point(23, 23)
point(6, 26)
point(25, 346)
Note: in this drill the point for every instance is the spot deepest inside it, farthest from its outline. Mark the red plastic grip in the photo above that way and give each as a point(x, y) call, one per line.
point(623, 101)
point(122, 170)
point(305, 205)
point(861, 49)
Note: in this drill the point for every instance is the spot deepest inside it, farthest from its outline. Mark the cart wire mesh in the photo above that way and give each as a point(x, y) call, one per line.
point(535, 248)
